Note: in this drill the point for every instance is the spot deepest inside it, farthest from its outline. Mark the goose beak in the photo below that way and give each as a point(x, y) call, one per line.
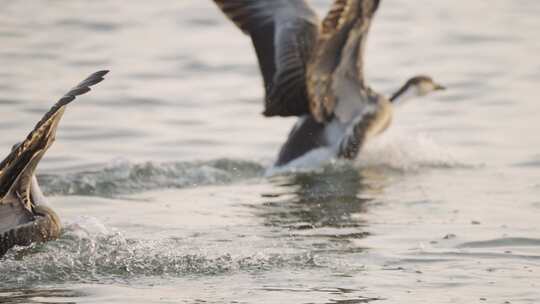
point(439, 87)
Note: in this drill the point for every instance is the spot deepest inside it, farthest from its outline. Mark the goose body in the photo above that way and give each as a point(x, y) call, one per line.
point(25, 215)
point(314, 70)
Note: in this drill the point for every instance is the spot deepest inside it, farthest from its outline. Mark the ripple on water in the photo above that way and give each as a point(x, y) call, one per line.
point(29, 295)
point(533, 163)
point(96, 26)
point(125, 177)
point(502, 242)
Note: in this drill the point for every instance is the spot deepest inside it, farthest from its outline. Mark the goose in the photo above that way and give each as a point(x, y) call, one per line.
point(25, 215)
point(314, 70)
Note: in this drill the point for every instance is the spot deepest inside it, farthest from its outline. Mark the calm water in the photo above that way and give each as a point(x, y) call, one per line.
point(159, 172)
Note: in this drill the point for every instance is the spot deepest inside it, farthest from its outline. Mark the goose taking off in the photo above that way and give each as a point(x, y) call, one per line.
point(25, 216)
point(314, 70)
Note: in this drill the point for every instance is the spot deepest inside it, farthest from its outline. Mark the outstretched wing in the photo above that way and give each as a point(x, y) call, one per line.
point(27, 154)
point(284, 33)
point(335, 74)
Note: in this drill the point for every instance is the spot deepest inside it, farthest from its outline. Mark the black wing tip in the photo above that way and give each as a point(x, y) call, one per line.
point(93, 79)
point(83, 87)
point(267, 113)
point(99, 74)
point(102, 72)
point(272, 110)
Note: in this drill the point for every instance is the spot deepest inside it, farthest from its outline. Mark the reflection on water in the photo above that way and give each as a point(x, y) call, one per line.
point(351, 294)
point(323, 211)
point(330, 198)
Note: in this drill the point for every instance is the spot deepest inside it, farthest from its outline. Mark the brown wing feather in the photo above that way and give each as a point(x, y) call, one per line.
point(41, 137)
point(283, 33)
point(335, 18)
point(345, 26)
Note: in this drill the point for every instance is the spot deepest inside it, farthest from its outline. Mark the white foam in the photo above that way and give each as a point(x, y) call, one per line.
point(311, 161)
point(394, 149)
point(399, 150)
point(86, 227)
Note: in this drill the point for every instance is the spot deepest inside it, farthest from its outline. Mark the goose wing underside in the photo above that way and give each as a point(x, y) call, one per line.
point(335, 75)
point(284, 33)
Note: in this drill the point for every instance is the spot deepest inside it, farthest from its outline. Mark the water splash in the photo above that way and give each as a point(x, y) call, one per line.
point(88, 251)
point(125, 177)
point(409, 153)
point(396, 151)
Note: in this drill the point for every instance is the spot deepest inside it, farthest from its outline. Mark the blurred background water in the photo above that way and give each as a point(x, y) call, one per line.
point(158, 173)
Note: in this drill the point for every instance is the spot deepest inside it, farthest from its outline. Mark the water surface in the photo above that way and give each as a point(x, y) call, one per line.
point(158, 173)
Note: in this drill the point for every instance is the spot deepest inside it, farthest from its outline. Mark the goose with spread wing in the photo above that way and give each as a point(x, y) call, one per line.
point(314, 70)
point(25, 215)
